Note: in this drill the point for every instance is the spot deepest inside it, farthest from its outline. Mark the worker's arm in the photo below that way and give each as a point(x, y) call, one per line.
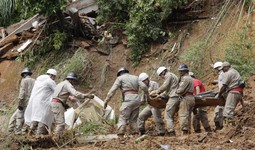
point(197, 88)
point(182, 86)
point(222, 90)
point(145, 93)
point(22, 94)
point(76, 93)
point(113, 90)
point(165, 85)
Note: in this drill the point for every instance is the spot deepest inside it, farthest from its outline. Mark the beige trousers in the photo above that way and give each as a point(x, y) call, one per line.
point(59, 118)
point(172, 107)
point(186, 106)
point(232, 100)
point(200, 116)
point(129, 111)
point(147, 112)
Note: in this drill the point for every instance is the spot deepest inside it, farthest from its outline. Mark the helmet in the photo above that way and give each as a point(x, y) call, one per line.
point(26, 70)
point(52, 72)
point(183, 67)
point(72, 75)
point(217, 64)
point(143, 76)
point(191, 74)
point(161, 69)
point(122, 70)
point(225, 64)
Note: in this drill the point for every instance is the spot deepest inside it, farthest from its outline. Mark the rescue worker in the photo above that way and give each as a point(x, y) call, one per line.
point(59, 98)
point(38, 114)
point(200, 114)
point(231, 86)
point(17, 120)
point(149, 111)
point(130, 105)
point(187, 101)
point(169, 88)
point(218, 111)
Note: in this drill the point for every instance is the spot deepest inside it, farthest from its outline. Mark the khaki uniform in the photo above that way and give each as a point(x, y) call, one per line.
point(201, 115)
point(231, 79)
point(63, 90)
point(149, 111)
point(218, 111)
point(169, 88)
point(17, 119)
point(130, 105)
point(185, 91)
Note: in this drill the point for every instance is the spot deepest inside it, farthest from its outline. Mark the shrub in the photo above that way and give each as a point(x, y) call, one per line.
point(240, 54)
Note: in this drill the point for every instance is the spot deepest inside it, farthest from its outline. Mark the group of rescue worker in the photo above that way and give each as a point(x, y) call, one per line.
point(43, 102)
point(180, 93)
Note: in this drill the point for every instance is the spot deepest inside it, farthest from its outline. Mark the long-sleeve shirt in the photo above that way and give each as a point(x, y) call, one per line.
point(64, 89)
point(25, 90)
point(185, 86)
point(125, 82)
point(170, 85)
point(231, 78)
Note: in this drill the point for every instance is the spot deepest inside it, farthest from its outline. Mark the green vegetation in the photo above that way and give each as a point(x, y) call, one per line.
point(195, 56)
point(240, 52)
point(79, 63)
point(142, 19)
point(91, 128)
point(7, 8)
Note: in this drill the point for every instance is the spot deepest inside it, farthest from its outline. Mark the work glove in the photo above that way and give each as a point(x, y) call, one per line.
point(105, 103)
point(20, 108)
point(72, 99)
point(153, 92)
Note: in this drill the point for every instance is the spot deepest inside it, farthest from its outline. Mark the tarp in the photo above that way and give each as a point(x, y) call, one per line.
point(93, 111)
point(39, 108)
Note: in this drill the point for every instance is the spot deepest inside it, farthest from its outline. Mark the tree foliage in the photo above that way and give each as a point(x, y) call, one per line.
point(7, 8)
point(47, 7)
point(240, 53)
point(143, 20)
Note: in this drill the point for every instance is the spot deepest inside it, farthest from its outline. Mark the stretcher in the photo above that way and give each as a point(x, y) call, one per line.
point(201, 100)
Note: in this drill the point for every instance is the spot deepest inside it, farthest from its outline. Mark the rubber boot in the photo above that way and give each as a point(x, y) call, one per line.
point(217, 125)
point(171, 133)
point(208, 129)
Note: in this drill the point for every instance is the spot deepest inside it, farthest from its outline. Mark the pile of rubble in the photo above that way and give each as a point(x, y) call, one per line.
point(18, 37)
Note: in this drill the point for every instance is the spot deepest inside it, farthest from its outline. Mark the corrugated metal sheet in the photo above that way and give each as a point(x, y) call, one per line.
point(84, 6)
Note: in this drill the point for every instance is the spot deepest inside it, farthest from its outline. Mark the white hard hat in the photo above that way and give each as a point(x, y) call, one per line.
point(191, 73)
point(217, 64)
point(161, 69)
point(52, 71)
point(143, 76)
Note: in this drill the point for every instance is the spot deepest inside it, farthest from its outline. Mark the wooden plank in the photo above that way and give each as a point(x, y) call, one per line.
point(9, 39)
point(6, 48)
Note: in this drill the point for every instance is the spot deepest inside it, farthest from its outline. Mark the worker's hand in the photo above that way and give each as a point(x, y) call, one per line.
point(105, 105)
point(20, 108)
point(72, 99)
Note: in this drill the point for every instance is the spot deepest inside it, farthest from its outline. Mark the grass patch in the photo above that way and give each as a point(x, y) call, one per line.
point(91, 128)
